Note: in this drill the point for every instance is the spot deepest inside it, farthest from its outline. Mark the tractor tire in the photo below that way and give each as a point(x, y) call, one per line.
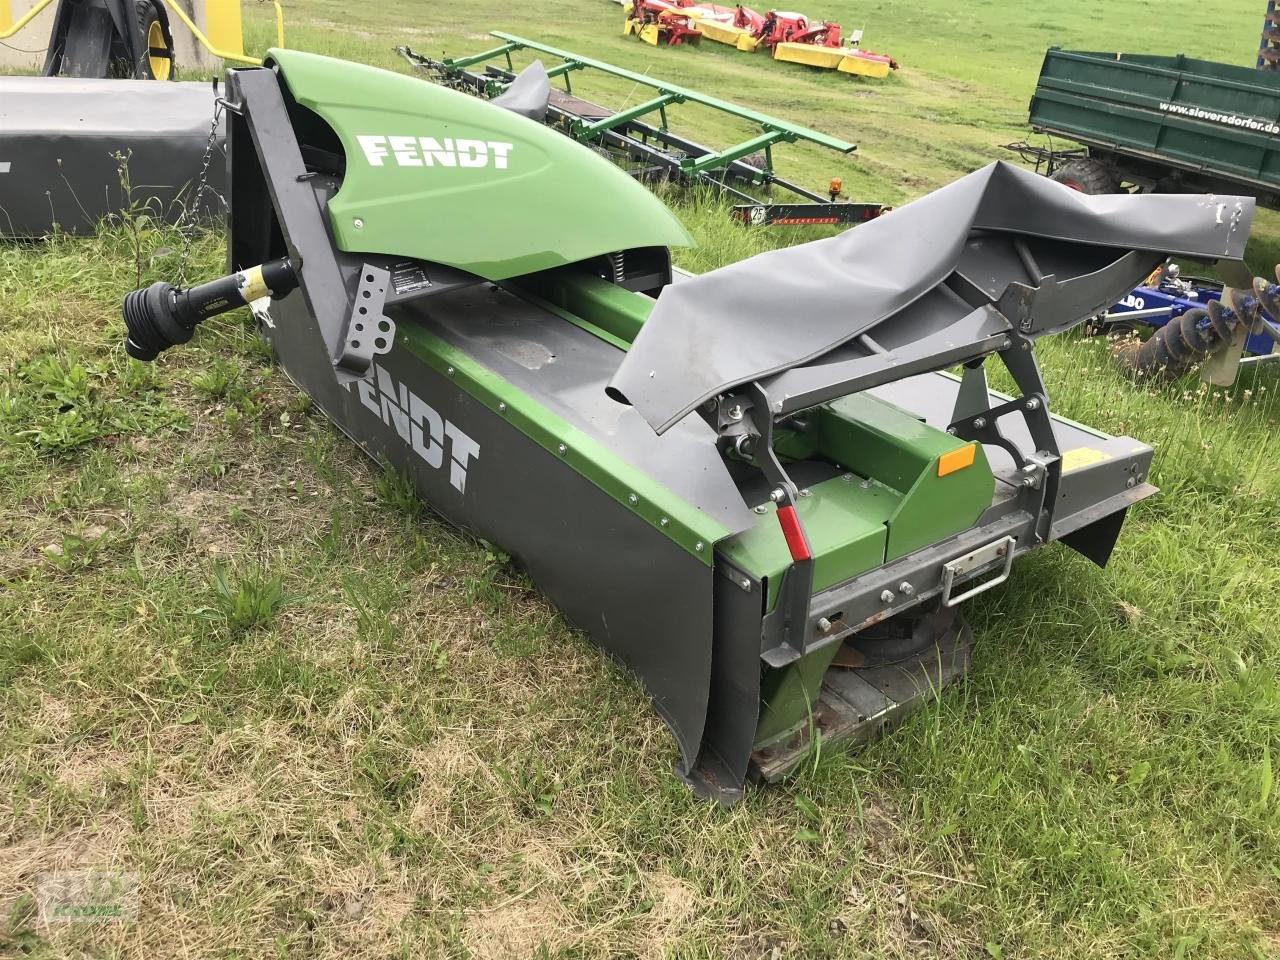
point(157, 60)
point(1087, 176)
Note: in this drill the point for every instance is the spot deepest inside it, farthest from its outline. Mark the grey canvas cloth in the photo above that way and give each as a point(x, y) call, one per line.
point(59, 137)
point(774, 311)
point(529, 93)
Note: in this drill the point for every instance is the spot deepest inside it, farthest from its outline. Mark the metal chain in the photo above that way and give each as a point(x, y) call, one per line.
point(187, 222)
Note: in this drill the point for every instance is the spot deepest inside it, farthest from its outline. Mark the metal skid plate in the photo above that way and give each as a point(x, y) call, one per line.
point(856, 705)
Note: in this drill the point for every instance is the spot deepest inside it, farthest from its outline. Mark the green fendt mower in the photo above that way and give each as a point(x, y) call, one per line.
point(760, 488)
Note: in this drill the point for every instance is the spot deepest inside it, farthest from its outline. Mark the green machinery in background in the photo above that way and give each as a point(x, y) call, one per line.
point(1170, 124)
point(1158, 124)
point(651, 150)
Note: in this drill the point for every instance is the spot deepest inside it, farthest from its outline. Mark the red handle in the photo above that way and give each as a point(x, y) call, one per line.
point(793, 534)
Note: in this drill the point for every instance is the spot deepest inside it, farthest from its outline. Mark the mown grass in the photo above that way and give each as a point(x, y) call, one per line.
point(243, 663)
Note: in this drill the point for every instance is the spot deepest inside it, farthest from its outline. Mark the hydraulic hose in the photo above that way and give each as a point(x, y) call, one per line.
point(161, 316)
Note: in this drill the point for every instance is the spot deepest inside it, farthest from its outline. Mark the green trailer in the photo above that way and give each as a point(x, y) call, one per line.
point(1158, 124)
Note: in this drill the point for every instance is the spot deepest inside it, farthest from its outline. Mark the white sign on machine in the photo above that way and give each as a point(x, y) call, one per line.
point(418, 424)
point(433, 152)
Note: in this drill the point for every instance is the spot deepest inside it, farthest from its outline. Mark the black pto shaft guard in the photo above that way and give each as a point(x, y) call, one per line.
point(161, 316)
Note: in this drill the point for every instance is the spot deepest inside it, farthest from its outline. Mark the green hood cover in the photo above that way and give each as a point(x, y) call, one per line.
point(446, 177)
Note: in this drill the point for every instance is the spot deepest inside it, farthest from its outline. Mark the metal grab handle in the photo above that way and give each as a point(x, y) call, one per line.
point(223, 54)
point(200, 37)
point(975, 561)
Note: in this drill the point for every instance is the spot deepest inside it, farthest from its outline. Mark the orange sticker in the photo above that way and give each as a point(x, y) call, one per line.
point(957, 459)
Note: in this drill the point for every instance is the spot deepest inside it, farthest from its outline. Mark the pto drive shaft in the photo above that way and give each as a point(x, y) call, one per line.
point(161, 315)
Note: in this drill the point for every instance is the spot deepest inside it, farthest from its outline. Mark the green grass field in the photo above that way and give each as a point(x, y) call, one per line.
point(245, 664)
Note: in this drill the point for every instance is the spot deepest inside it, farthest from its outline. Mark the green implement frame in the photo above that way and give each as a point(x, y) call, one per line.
point(772, 129)
point(659, 152)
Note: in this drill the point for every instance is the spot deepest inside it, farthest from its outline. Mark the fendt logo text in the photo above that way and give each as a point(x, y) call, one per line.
point(419, 425)
point(430, 152)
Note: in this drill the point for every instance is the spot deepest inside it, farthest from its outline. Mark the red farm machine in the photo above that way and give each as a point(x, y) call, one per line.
point(658, 22)
point(786, 35)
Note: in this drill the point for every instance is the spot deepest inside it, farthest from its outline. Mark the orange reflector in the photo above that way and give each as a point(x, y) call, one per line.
point(956, 459)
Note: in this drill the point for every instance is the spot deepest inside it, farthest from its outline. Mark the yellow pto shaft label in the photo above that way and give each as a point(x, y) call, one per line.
point(252, 286)
point(1082, 457)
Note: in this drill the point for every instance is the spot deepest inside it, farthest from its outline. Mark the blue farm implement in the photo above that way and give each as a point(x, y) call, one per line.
point(1193, 319)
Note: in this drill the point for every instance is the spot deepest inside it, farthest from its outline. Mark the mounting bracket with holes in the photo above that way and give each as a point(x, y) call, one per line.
point(370, 332)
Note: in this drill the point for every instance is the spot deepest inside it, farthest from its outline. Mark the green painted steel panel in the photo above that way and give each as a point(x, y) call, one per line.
point(441, 176)
point(846, 525)
point(878, 440)
point(617, 311)
point(939, 507)
point(787, 694)
point(893, 503)
point(1195, 114)
point(667, 513)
